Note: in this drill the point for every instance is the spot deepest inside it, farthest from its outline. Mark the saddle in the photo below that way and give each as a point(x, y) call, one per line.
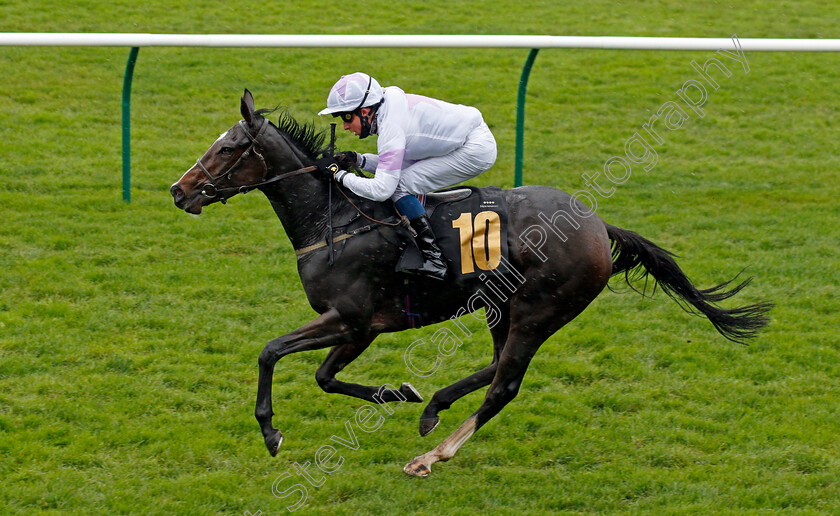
point(434, 199)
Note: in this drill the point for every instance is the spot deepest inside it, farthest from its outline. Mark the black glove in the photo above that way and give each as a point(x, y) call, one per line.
point(347, 160)
point(328, 164)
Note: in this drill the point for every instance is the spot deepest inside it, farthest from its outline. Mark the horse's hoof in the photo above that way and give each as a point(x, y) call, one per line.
point(416, 468)
point(411, 394)
point(427, 425)
point(273, 442)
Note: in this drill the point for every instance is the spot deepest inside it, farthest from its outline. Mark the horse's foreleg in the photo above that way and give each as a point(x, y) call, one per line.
point(325, 331)
point(339, 357)
point(422, 465)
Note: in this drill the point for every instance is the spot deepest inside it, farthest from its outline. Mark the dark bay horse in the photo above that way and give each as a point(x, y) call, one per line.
point(563, 256)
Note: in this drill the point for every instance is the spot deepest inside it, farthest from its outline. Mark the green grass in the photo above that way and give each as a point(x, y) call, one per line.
point(129, 333)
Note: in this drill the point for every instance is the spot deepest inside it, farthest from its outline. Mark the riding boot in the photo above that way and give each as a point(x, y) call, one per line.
point(434, 265)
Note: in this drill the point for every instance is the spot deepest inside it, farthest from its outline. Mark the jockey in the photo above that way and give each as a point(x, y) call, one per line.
point(423, 145)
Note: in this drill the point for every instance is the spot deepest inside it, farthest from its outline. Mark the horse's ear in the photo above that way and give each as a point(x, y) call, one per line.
point(247, 107)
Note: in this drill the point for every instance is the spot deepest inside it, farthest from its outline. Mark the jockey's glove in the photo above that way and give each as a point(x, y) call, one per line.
point(348, 160)
point(328, 164)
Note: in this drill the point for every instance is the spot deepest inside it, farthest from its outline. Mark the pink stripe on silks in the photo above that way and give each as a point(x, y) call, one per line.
point(391, 160)
point(413, 100)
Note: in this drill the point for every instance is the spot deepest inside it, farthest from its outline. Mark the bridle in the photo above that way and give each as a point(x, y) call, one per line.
point(211, 191)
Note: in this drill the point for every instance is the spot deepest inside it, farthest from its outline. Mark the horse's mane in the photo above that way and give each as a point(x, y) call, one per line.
point(305, 134)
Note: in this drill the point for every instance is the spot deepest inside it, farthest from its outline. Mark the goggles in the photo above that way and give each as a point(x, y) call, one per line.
point(346, 117)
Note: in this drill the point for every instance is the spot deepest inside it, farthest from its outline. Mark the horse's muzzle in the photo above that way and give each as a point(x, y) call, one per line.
point(178, 195)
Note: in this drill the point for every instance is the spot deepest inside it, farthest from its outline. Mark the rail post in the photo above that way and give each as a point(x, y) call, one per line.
point(126, 123)
point(520, 116)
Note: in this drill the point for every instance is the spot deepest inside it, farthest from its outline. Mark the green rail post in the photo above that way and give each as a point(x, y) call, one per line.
point(520, 116)
point(126, 123)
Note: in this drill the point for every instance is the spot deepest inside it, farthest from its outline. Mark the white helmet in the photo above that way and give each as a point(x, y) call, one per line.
point(352, 92)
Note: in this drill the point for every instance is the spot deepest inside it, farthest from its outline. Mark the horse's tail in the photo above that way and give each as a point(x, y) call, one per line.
point(637, 257)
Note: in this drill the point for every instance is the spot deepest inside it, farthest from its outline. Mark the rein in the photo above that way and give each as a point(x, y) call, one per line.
point(328, 242)
point(402, 222)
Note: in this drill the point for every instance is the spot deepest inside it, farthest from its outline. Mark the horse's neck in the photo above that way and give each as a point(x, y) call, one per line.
point(302, 202)
point(307, 208)
point(306, 204)
point(302, 205)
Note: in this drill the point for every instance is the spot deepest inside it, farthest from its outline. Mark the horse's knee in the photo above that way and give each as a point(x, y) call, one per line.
point(264, 357)
point(261, 414)
point(325, 381)
point(267, 356)
point(497, 397)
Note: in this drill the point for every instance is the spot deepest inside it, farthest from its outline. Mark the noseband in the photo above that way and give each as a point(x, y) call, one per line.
point(211, 191)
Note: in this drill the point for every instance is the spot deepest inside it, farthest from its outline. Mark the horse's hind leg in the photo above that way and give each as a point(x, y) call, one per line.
point(339, 357)
point(504, 387)
point(444, 398)
point(522, 343)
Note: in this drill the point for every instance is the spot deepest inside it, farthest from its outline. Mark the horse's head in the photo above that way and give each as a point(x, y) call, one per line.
point(233, 164)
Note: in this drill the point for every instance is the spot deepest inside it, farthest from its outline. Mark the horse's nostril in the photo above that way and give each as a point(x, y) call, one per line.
point(177, 194)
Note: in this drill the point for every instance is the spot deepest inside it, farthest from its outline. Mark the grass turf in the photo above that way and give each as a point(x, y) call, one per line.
point(129, 332)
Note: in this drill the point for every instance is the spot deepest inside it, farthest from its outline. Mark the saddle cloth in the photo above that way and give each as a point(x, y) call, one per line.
point(470, 226)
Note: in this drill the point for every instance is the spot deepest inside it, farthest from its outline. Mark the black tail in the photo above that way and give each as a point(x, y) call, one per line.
point(637, 257)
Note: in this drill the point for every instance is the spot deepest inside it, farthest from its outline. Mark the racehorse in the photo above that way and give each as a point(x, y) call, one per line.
point(347, 248)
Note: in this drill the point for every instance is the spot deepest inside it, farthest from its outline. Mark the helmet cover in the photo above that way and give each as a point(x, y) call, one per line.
point(352, 92)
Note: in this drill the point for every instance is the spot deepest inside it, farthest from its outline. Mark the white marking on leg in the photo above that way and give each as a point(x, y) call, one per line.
point(450, 446)
point(422, 465)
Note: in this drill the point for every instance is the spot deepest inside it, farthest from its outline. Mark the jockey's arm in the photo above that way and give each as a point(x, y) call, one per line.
point(380, 187)
point(387, 166)
point(368, 162)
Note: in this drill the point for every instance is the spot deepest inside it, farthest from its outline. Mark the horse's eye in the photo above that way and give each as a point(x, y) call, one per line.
point(227, 151)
